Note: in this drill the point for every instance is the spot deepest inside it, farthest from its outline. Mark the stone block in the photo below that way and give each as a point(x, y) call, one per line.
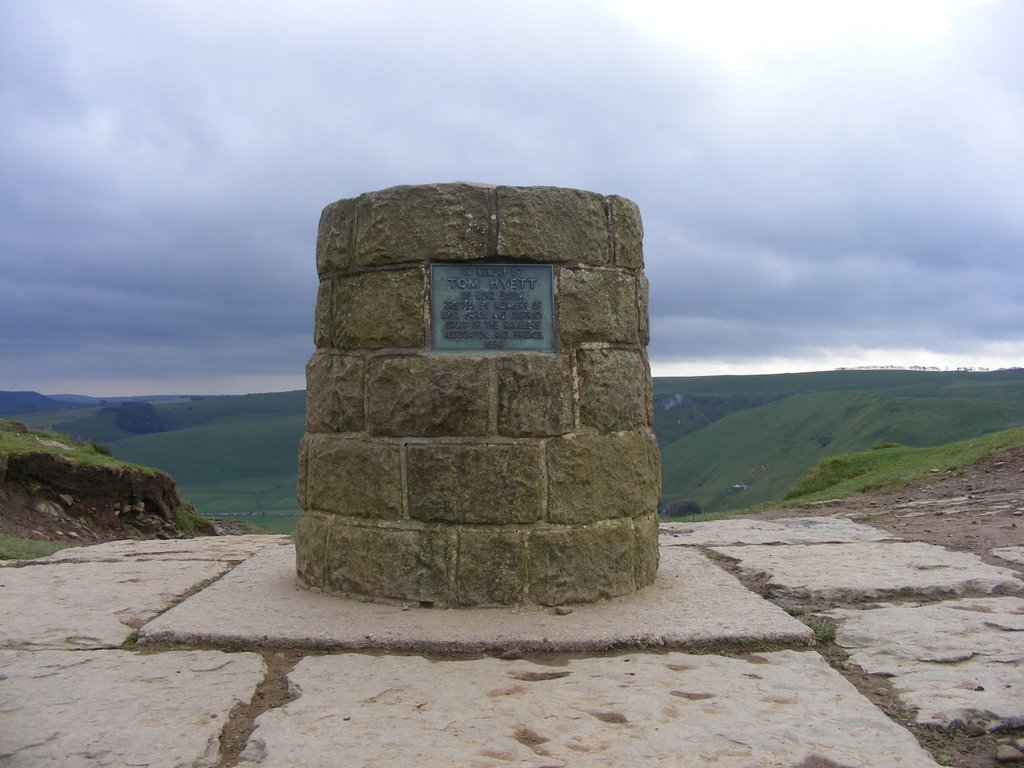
point(643, 293)
point(395, 563)
point(597, 305)
point(444, 222)
point(323, 315)
point(334, 392)
point(862, 571)
point(492, 567)
point(428, 396)
point(581, 564)
point(646, 555)
point(495, 484)
point(956, 662)
point(114, 708)
point(302, 480)
point(334, 237)
point(311, 547)
point(636, 710)
point(90, 604)
point(615, 389)
point(356, 478)
point(378, 310)
point(552, 224)
point(593, 477)
point(534, 395)
point(627, 232)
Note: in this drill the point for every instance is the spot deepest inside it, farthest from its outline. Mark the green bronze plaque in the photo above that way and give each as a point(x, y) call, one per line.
point(492, 307)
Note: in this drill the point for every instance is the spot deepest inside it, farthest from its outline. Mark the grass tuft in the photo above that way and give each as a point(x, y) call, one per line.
point(131, 641)
point(824, 631)
point(99, 448)
point(190, 522)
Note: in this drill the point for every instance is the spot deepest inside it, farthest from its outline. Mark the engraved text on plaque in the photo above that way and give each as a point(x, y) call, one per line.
point(485, 307)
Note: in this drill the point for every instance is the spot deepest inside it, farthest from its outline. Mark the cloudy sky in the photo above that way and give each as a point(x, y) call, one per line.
point(823, 183)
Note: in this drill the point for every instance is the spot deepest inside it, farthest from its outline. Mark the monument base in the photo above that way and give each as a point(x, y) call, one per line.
point(452, 565)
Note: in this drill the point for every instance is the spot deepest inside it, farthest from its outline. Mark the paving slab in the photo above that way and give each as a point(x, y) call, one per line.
point(957, 661)
point(794, 530)
point(655, 709)
point(232, 549)
point(872, 571)
point(692, 602)
point(1011, 554)
point(72, 709)
point(91, 605)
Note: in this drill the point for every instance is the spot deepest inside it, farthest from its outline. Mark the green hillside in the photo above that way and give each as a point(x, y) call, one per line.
point(891, 468)
point(232, 454)
point(752, 453)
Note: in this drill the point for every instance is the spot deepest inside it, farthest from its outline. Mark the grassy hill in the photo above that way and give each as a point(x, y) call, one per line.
point(891, 468)
point(768, 431)
point(238, 454)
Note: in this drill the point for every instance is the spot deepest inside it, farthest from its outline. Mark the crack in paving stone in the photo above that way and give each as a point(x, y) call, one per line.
point(272, 693)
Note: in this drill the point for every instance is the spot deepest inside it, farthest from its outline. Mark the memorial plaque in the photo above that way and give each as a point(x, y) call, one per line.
point(491, 307)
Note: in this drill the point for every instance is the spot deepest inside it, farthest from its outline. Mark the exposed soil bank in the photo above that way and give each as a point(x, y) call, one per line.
point(48, 497)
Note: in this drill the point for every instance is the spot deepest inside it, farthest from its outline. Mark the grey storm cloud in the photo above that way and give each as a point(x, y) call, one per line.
point(164, 166)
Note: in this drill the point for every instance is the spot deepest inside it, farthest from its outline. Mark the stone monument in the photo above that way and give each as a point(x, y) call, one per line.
point(478, 419)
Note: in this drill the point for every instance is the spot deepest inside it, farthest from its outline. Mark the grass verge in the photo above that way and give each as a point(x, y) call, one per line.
point(14, 548)
point(892, 467)
point(703, 517)
point(16, 440)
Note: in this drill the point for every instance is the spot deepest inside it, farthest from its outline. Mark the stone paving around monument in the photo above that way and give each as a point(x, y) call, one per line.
point(692, 603)
point(717, 675)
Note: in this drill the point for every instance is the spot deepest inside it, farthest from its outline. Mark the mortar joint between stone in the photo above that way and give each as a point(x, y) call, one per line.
point(352, 243)
point(545, 501)
point(403, 471)
point(493, 222)
point(492, 396)
point(574, 376)
point(609, 219)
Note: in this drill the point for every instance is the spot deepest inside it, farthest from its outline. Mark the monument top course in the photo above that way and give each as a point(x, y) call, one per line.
point(478, 427)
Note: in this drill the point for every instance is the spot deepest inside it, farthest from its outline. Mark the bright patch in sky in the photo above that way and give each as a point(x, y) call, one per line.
point(737, 30)
point(992, 357)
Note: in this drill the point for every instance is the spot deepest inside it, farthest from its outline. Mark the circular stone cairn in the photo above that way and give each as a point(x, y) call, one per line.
point(478, 418)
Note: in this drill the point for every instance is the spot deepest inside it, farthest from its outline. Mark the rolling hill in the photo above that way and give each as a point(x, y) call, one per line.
point(732, 442)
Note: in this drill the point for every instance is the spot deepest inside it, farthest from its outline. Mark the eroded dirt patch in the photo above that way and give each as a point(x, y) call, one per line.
point(272, 693)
